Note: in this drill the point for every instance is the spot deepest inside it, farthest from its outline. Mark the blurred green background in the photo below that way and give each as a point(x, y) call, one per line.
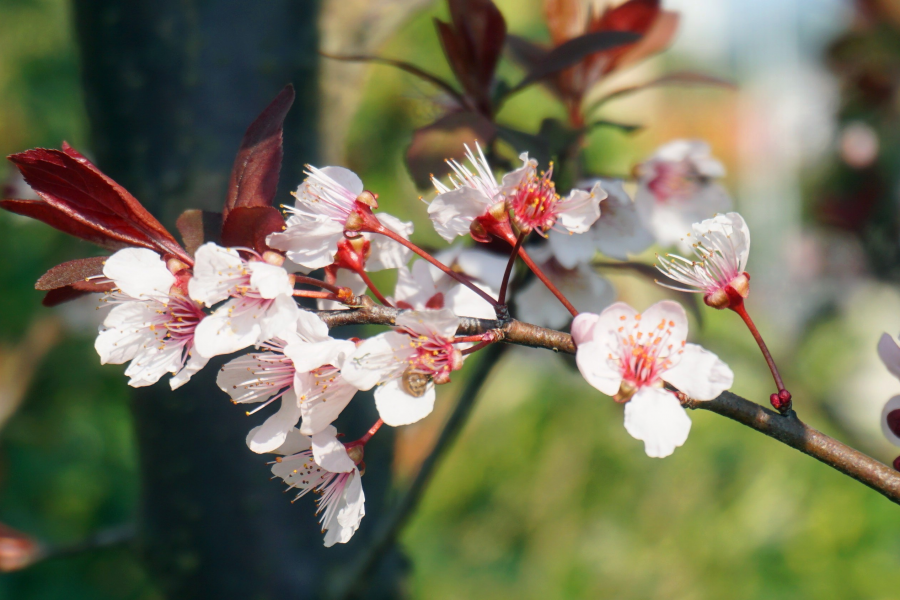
point(545, 495)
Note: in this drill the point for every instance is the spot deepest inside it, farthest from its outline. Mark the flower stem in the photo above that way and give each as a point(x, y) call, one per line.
point(403, 241)
point(373, 288)
point(479, 346)
point(319, 295)
point(553, 289)
point(374, 428)
point(468, 338)
point(501, 299)
point(742, 312)
point(317, 283)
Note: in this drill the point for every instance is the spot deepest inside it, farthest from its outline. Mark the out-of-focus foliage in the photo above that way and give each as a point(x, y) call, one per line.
point(544, 496)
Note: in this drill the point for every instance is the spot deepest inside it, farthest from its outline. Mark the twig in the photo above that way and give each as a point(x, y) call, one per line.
point(790, 430)
point(390, 527)
point(787, 428)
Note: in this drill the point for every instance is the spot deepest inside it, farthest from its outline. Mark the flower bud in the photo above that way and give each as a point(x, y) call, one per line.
point(893, 421)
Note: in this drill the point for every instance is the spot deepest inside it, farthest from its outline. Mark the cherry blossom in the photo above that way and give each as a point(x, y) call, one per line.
point(677, 187)
point(406, 364)
point(260, 300)
point(302, 369)
point(722, 245)
point(535, 205)
point(152, 324)
point(473, 195)
point(474, 201)
point(326, 203)
point(629, 356)
point(323, 465)
point(425, 287)
point(618, 233)
point(582, 285)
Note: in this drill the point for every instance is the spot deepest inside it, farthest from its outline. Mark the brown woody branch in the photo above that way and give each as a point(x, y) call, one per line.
point(787, 429)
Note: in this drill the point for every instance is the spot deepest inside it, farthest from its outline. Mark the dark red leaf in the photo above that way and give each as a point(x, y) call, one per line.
point(634, 15)
point(198, 227)
point(76, 290)
point(73, 271)
point(58, 219)
point(473, 44)
point(573, 51)
point(444, 139)
point(254, 176)
point(70, 183)
point(248, 226)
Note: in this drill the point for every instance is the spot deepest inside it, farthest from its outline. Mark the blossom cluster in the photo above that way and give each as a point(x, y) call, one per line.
point(174, 310)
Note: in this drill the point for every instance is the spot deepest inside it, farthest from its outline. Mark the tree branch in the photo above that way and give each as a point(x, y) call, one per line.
point(790, 430)
point(787, 429)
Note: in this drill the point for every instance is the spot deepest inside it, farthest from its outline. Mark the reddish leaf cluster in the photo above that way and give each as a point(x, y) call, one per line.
point(78, 199)
point(571, 22)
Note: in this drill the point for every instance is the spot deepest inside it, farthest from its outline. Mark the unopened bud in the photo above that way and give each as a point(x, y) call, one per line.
point(368, 198)
point(273, 258)
point(781, 401)
point(896, 463)
point(345, 295)
point(893, 421)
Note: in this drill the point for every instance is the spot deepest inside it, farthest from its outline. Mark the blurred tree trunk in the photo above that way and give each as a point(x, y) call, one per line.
point(170, 87)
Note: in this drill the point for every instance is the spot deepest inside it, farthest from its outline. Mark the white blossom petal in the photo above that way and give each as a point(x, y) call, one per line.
point(700, 374)
point(310, 241)
point(273, 432)
point(452, 212)
point(656, 417)
point(270, 280)
point(377, 359)
point(319, 408)
point(214, 268)
point(385, 252)
point(398, 408)
point(581, 209)
point(889, 352)
point(330, 453)
point(139, 272)
point(194, 364)
point(441, 323)
point(597, 367)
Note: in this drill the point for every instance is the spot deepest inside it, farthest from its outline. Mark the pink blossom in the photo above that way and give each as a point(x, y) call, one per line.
point(629, 355)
